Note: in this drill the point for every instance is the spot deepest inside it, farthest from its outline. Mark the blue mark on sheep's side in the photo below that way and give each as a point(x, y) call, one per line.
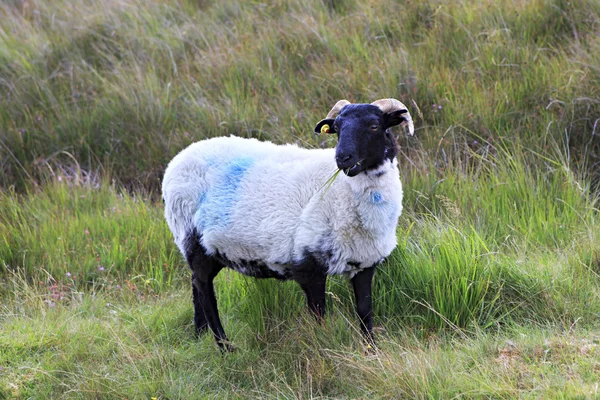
point(198, 217)
point(215, 207)
point(376, 197)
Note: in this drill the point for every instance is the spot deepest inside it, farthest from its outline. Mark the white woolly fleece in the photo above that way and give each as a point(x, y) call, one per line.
point(252, 200)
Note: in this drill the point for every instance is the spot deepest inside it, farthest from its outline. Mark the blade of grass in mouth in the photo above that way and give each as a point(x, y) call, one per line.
point(329, 182)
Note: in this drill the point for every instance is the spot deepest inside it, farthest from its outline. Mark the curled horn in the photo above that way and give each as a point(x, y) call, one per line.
point(337, 108)
point(390, 105)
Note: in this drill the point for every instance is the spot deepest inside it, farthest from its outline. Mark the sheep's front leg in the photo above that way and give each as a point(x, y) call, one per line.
point(315, 296)
point(312, 277)
point(361, 283)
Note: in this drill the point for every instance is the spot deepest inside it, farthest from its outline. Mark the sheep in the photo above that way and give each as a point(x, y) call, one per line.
point(271, 211)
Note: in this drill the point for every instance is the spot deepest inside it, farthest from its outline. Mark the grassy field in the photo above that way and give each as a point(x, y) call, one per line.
point(493, 291)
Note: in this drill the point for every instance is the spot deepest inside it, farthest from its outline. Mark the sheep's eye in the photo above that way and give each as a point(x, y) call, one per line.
point(374, 127)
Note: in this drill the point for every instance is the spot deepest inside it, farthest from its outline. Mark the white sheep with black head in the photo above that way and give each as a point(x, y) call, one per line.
point(268, 211)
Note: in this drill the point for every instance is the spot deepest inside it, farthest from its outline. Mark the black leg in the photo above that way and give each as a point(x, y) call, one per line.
point(312, 277)
point(361, 283)
point(200, 322)
point(204, 270)
point(208, 301)
point(315, 296)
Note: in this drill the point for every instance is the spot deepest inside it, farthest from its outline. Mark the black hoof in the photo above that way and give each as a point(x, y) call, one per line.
point(226, 347)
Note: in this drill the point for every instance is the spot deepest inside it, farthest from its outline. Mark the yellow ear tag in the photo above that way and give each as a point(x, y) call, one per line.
point(325, 129)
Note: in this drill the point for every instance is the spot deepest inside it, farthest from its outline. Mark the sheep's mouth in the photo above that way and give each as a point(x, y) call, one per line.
point(353, 170)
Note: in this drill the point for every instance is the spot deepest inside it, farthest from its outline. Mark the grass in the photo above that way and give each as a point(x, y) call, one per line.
point(123, 86)
point(468, 305)
point(99, 346)
point(84, 231)
point(492, 292)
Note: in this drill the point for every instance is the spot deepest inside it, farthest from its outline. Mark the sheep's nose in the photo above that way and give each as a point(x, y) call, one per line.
point(344, 160)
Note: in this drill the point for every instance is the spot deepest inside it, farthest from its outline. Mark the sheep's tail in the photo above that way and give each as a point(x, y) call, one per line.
point(180, 196)
point(179, 216)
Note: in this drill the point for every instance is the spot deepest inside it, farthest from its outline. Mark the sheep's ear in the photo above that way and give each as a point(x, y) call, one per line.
point(325, 126)
point(394, 118)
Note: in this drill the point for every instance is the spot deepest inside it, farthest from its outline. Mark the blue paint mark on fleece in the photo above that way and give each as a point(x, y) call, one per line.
point(215, 207)
point(378, 213)
point(376, 197)
point(201, 200)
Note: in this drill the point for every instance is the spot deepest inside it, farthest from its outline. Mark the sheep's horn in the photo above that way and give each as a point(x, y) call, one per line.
point(389, 105)
point(337, 108)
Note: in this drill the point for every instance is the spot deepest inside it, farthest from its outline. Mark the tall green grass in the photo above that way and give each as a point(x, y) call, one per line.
point(124, 86)
point(499, 242)
point(453, 276)
point(85, 234)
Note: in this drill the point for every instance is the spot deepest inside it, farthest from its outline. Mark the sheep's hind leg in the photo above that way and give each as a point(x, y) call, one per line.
point(200, 322)
point(204, 270)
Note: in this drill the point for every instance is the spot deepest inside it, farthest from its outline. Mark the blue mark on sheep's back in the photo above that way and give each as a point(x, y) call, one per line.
point(215, 207)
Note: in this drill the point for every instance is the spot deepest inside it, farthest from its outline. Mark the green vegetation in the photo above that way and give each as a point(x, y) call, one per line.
point(122, 86)
point(493, 290)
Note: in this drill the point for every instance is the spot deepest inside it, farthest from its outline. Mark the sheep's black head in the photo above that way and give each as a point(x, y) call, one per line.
point(364, 141)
